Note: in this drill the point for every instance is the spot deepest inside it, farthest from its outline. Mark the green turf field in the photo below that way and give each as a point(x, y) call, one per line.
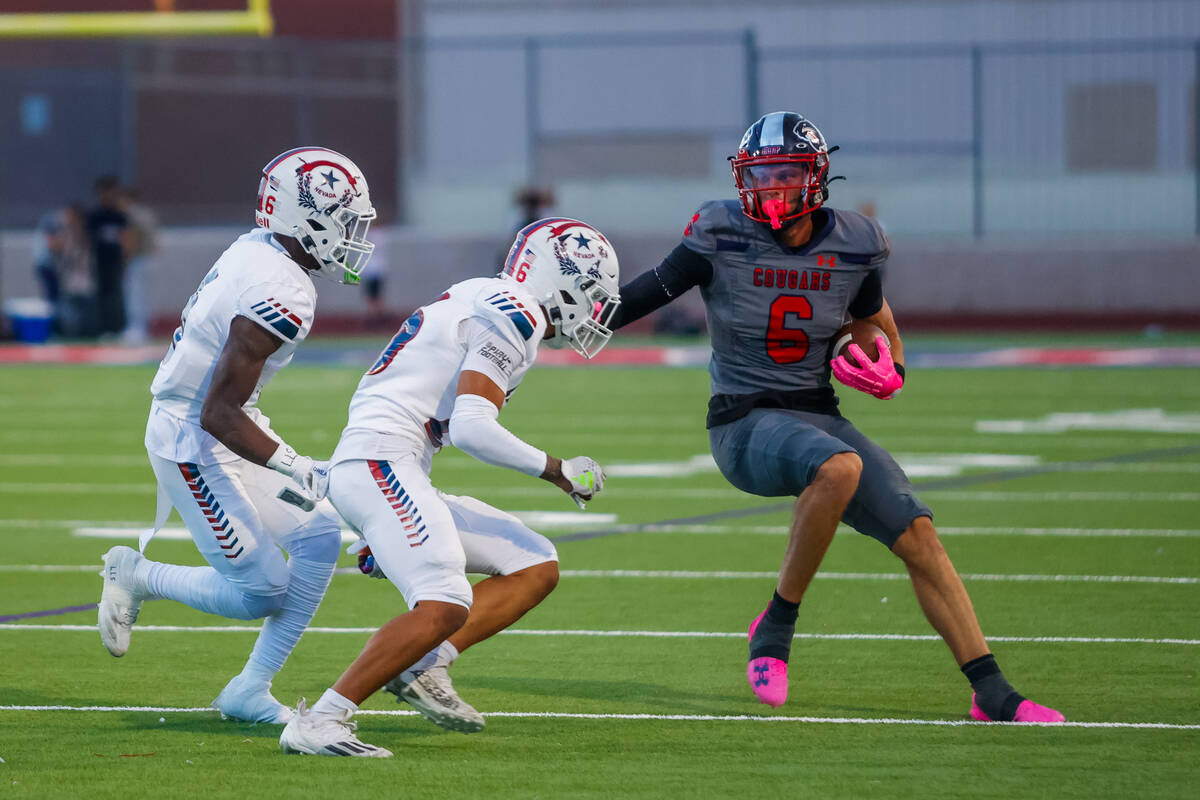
point(1081, 552)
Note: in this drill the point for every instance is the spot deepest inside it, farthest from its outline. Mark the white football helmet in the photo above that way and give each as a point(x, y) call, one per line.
point(320, 198)
point(571, 269)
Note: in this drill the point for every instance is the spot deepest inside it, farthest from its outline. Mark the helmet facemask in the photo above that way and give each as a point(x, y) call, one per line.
point(774, 189)
point(346, 257)
point(580, 317)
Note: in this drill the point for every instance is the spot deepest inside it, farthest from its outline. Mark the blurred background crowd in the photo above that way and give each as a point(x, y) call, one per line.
point(1035, 163)
point(91, 264)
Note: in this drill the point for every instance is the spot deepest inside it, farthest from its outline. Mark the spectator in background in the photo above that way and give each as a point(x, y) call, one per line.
point(531, 203)
point(62, 239)
point(372, 278)
point(62, 261)
point(142, 244)
point(108, 228)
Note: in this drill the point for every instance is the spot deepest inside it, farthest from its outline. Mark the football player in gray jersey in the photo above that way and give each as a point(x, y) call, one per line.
point(779, 273)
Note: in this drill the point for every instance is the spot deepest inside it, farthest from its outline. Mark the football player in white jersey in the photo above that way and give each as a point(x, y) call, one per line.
point(442, 380)
point(245, 495)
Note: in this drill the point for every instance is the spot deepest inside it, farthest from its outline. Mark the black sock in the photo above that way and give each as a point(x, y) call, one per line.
point(773, 636)
point(783, 612)
point(993, 693)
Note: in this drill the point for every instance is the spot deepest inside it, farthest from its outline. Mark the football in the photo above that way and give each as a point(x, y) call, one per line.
point(861, 333)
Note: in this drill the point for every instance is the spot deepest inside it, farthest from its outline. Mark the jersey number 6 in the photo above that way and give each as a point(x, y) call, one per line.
point(786, 344)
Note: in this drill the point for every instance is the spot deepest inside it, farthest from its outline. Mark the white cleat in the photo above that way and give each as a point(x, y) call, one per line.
point(326, 735)
point(432, 694)
point(241, 701)
point(121, 599)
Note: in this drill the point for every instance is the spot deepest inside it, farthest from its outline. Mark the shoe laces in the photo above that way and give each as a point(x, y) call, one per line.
point(318, 720)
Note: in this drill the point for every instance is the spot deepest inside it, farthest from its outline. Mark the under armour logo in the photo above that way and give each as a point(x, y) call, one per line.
point(762, 679)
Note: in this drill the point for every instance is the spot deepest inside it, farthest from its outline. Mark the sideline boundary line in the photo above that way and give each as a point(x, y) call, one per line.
point(872, 637)
point(993, 577)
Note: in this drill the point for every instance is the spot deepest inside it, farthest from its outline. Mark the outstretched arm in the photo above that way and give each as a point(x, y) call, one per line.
point(682, 269)
point(475, 430)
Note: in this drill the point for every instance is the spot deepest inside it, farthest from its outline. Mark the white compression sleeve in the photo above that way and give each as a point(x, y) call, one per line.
point(475, 431)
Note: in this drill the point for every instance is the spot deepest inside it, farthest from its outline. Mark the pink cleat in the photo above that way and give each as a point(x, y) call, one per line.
point(768, 677)
point(1028, 711)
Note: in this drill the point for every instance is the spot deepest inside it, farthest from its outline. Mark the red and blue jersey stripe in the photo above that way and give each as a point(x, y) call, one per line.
point(275, 314)
point(511, 306)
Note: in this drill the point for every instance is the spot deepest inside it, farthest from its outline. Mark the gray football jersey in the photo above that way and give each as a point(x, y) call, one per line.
point(772, 311)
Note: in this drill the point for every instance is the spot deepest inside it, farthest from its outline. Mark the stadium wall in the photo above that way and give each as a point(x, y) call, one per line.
point(1095, 283)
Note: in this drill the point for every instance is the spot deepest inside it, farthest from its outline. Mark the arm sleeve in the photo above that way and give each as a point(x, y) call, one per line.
point(869, 299)
point(474, 429)
point(682, 269)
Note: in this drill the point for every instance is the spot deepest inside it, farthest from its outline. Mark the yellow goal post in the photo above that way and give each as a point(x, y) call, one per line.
point(256, 20)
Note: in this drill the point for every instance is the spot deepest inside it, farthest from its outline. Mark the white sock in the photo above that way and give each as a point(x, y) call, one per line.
point(202, 588)
point(441, 656)
point(307, 582)
point(333, 703)
point(257, 674)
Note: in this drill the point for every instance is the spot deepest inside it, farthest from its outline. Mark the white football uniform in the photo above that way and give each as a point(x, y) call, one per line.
point(423, 539)
point(230, 504)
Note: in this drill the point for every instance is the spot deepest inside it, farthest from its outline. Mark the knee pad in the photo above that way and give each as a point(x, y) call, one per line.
point(322, 548)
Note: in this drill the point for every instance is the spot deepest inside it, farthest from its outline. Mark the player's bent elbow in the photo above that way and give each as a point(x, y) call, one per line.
point(213, 419)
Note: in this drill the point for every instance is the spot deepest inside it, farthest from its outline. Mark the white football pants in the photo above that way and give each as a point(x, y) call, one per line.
point(426, 540)
point(238, 523)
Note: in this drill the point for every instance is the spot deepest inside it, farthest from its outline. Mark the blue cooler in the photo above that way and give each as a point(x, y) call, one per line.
point(31, 318)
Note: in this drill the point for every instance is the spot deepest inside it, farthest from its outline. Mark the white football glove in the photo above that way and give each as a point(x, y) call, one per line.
point(586, 477)
point(367, 564)
point(312, 476)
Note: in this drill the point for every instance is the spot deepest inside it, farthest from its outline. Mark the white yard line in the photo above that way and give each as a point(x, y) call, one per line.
point(744, 575)
point(712, 493)
point(870, 576)
point(1058, 497)
point(950, 723)
point(619, 634)
point(943, 530)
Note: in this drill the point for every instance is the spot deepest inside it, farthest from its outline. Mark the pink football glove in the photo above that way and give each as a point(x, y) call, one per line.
point(878, 379)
